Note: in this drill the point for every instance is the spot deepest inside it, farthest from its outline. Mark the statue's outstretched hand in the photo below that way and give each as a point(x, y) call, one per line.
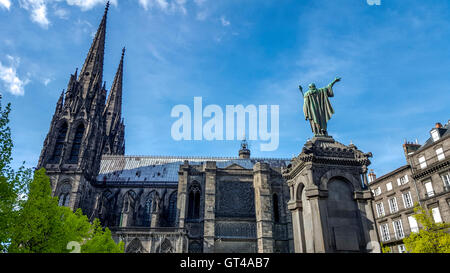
point(337, 79)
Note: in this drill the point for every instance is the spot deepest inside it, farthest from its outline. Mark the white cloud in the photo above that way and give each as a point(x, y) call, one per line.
point(5, 4)
point(38, 8)
point(224, 21)
point(46, 81)
point(201, 15)
point(10, 79)
point(61, 13)
point(38, 11)
point(167, 6)
point(89, 4)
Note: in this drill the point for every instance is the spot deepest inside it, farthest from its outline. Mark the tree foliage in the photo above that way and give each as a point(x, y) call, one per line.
point(432, 238)
point(13, 184)
point(44, 227)
point(31, 220)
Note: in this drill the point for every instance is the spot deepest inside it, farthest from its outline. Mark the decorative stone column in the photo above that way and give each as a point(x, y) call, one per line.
point(263, 207)
point(297, 225)
point(365, 204)
point(210, 204)
point(155, 214)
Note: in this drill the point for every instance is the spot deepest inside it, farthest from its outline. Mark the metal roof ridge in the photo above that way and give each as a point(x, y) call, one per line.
point(195, 157)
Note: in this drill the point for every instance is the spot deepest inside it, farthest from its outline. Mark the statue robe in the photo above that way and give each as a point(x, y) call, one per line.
point(317, 108)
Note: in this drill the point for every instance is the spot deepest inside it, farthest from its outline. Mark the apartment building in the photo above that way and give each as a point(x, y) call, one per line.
point(425, 180)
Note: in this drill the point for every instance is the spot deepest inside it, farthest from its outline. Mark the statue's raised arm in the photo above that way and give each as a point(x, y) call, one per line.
point(337, 79)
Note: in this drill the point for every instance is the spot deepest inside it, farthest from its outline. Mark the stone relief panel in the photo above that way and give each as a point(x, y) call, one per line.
point(235, 230)
point(235, 199)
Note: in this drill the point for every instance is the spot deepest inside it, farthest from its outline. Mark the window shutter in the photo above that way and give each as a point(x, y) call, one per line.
point(404, 201)
point(406, 178)
point(398, 182)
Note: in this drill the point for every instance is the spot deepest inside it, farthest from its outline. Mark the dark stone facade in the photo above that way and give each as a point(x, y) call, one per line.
point(189, 204)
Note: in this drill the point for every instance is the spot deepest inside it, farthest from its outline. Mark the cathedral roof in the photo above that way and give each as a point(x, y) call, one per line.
point(164, 169)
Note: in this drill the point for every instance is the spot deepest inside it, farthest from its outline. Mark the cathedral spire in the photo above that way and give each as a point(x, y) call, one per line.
point(93, 65)
point(113, 109)
point(60, 103)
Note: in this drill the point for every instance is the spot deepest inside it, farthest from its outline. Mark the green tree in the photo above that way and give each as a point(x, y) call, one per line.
point(432, 238)
point(100, 241)
point(385, 249)
point(30, 218)
point(44, 227)
point(13, 184)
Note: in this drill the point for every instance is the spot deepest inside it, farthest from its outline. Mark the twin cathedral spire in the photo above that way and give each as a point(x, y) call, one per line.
point(84, 126)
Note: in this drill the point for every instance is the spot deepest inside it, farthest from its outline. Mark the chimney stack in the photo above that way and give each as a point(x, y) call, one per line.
point(372, 176)
point(410, 147)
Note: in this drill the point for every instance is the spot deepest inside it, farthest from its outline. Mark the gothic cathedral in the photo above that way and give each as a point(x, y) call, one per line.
point(189, 204)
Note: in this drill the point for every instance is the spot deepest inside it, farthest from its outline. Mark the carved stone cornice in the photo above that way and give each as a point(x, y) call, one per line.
point(431, 169)
point(327, 151)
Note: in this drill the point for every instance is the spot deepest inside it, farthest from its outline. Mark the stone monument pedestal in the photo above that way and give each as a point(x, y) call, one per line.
point(330, 202)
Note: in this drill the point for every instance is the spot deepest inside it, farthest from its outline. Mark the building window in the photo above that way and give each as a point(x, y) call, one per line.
point(385, 232)
point(389, 186)
point(61, 138)
point(440, 153)
point(422, 162)
point(407, 200)
point(380, 209)
point(194, 202)
point(64, 199)
point(148, 209)
point(393, 205)
point(401, 249)
point(377, 191)
point(446, 180)
point(398, 229)
point(64, 196)
point(435, 135)
point(402, 180)
point(172, 215)
point(436, 215)
point(413, 224)
point(276, 211)
point(429, 192)
point(76, 144)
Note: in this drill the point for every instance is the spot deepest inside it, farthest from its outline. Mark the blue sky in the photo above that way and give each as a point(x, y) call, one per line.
point(394, 60)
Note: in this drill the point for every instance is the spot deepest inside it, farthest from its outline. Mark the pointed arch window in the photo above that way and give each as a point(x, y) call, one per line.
point(64, 195)
point(60, 139)
point(76, 144)
point(64, 199)
point(172, 214)
point(276, 209)
point(194, 202)
point(149, 209)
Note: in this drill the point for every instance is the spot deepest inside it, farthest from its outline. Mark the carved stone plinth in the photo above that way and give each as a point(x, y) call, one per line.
point(330, 203)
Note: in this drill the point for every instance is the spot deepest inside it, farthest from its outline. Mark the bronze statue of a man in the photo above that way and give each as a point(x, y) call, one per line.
point(317, 107)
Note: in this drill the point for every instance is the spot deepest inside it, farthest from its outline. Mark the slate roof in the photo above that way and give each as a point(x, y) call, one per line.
point(378, 179)
point(165, 168)
point(444, 133)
